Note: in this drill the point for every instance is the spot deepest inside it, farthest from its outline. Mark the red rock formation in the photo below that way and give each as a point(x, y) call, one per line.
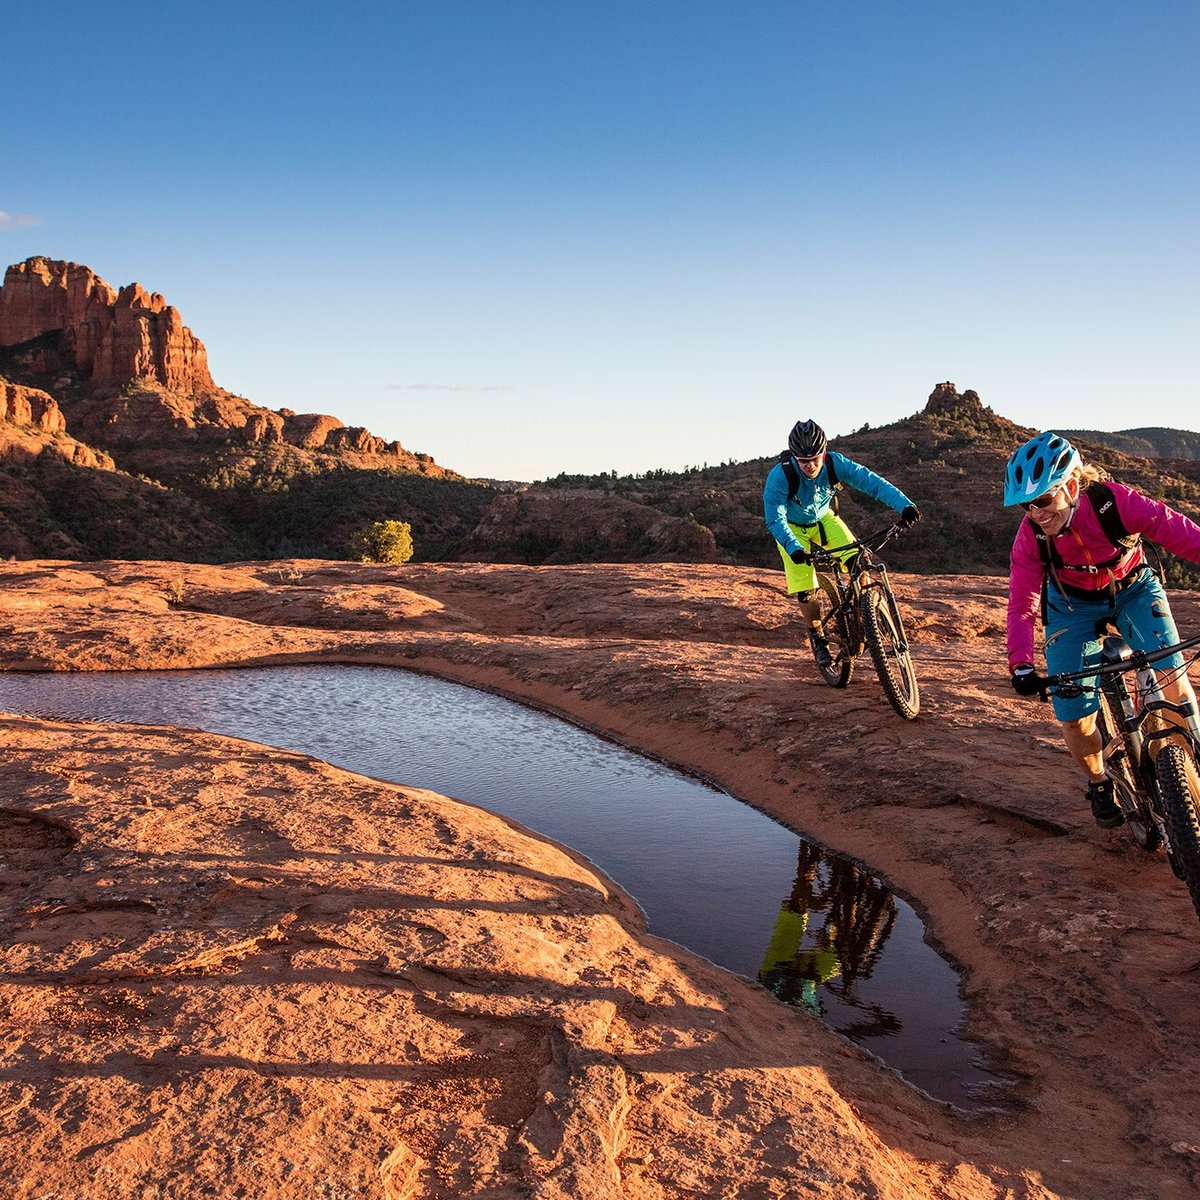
point(357, 438)
point(113, 337)
point(31, 424)
point(263, 426)
point(945, 399)
point(141, 377)
point(309, 430)
point(29, 406)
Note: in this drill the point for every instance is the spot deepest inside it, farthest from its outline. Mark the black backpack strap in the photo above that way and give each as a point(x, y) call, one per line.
point(789, 469)
point(1109, 516)
point(1104, 503)
point(1051, 559)
point(834, 482)
point(1049, 553)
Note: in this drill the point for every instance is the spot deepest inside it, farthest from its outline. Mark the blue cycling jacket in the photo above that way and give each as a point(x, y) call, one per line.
point(814, 497)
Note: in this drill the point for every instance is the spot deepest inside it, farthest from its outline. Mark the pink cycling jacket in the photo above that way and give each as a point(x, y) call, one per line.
point(1082, 544)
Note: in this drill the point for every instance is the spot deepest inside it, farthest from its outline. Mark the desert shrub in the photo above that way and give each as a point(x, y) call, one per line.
point(384, 542)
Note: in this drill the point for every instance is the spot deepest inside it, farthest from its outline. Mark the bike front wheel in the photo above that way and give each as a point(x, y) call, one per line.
point(1179, 787)
point(1130, 797)
point(885, 639)
point(837, 673)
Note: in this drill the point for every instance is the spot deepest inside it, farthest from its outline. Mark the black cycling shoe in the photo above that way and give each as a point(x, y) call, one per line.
point(820, 649)
point(1104, 807)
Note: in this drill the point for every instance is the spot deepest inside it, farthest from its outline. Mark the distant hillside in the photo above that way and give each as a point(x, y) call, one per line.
point(949, 458)
point(115, 442)
point(1152, 442)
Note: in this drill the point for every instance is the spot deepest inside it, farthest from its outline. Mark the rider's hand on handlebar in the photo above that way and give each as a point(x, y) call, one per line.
point(1026, 681)
point(800, 556)
point(909, 516)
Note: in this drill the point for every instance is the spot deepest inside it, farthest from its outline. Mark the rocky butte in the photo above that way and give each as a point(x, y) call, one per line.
point(109, 336)
point(128, 375)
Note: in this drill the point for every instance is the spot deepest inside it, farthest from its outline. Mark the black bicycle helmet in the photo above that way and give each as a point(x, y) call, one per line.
point(807, 439)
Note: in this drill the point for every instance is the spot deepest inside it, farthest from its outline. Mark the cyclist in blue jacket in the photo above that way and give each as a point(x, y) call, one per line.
point(800, 508)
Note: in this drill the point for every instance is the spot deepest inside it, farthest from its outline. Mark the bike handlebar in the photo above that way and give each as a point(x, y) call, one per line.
point(1136, 660)
point(826, 555)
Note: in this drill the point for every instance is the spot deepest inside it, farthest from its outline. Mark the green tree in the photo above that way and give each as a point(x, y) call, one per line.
point(384, 542)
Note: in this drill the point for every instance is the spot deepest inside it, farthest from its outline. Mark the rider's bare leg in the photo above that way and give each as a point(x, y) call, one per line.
point(1084, 741)
point(1086, 746)
point(1178, 689)
point(810, 610)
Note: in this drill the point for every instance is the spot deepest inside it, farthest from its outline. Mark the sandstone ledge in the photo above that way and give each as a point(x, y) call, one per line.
point(291, 980)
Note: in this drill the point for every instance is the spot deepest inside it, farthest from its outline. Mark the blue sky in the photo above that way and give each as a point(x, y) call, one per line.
point(556, 235)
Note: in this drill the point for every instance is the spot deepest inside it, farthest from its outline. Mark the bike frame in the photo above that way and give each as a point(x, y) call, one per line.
point(849, 579)
point(1150, 719)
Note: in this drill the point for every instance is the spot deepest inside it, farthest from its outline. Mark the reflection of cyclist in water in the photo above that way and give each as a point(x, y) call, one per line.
point(793, 974)
point(859, 914)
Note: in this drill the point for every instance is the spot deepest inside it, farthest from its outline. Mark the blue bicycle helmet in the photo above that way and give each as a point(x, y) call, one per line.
point(1038, 467)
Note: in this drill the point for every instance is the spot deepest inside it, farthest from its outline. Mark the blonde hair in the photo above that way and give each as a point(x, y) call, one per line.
point(1085, 474)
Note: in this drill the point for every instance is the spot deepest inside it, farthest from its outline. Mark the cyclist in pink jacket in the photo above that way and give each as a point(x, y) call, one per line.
point(1080, 541)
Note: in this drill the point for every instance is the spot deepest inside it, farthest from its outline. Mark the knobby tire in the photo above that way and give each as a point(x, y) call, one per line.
point(1179, 787)
point(1130, 796)
point(884, 636)
point(838, 673)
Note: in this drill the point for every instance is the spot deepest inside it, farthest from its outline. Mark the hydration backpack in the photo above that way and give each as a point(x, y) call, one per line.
point(1104, 504)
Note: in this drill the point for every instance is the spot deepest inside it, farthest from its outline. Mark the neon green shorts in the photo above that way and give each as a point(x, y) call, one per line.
point(830, 532)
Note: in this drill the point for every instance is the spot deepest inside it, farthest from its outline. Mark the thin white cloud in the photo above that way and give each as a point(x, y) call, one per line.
point(18, 220)
point(449, 387)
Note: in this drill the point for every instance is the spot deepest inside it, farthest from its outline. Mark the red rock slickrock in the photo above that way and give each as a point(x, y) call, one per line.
point(240, 971)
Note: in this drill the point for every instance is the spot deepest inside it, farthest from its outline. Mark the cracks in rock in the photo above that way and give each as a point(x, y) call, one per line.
point(574, 1140)
point(565, 1098)
point(33, 840)
point(1025, 824)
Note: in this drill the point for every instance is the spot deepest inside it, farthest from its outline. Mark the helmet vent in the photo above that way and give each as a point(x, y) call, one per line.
point(1043, 463)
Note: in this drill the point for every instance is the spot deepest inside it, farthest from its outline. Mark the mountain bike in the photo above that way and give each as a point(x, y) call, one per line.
point(1151, 751)
point(858, 611)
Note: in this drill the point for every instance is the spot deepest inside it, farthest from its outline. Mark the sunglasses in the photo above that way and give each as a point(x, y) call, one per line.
point(1042, 501)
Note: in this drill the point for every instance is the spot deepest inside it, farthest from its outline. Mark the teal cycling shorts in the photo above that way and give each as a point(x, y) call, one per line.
point(1140, 612)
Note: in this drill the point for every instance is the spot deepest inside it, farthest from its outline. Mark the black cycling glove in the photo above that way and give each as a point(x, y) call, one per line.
point(1026, 681)
point(909, 516)
point(800, 556)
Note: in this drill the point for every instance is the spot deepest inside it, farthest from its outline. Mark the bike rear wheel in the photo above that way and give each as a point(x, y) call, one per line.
point(884, 635)
point(1130, 797)
point(837, 673)
point(1179, 787)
